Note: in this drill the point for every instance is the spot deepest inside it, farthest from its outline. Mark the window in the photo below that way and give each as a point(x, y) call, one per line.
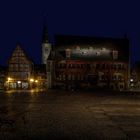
point(78, 77)
point(121, 86)
point(78, 48)
point(123, 66)
point(60, 77)
point(68, 53)
point(115, 54)
point(103, 77)
point(64, 65)
point(78, 65)
point(82, 78)
point(58, 65)
point(69, 77)
point(70, 65)
point(11, 67)
point(103, 66)
point(97, 66)
point(73, 77)
point(114, 77)
point(64, 77)
point(120, 77)
point(114, 66)
point(88, 65)
point(98, 53)
point(16, 67)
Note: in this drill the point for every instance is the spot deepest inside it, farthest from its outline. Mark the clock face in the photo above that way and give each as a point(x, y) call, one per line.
point(46, 52)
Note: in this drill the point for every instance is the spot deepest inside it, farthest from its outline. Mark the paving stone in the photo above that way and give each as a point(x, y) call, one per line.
point(78, 116)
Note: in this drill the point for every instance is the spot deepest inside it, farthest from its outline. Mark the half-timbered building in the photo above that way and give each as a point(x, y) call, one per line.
point(20, 70)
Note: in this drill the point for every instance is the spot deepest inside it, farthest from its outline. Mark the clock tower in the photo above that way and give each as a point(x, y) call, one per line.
point(46, 46)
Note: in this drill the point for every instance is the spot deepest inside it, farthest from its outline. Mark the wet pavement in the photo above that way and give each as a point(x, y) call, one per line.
point(69, 115)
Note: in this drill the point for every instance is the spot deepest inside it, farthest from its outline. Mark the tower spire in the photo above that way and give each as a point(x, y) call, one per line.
point(46, 46)
point(45, 34)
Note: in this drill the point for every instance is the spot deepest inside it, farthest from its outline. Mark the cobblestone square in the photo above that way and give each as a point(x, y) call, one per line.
point(69, 115)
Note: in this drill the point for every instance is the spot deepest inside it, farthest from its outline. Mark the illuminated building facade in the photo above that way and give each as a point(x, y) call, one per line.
point(40, 76)
point(135, 77)
point(20, 70)
point(89, 62)
point(3, 74)
point(46, 46)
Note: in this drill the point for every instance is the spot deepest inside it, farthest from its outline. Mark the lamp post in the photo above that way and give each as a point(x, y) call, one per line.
point(8, 80)
point(31, 83)
point(36, 81)
point(131, 83)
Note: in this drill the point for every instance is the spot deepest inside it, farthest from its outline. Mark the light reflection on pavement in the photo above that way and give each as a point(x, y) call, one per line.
point(69, 115)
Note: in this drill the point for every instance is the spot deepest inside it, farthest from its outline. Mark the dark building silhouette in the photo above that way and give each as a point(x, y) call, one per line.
point(3, 76)
point(89, 62)
point(135, 76)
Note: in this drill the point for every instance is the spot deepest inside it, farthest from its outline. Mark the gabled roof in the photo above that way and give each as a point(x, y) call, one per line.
point(18, 53)
point(92, 48)
point(45, 35)
point(73, 39)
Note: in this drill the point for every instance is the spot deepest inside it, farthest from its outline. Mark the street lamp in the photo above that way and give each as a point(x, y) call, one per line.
point(131, 83)
point(8, 81)
point(18, 82)
point(9, 78)
point(31, 80)
point(31, 83)
point(131, 80)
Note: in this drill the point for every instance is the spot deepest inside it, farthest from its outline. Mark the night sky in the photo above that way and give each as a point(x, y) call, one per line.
point(21, 21)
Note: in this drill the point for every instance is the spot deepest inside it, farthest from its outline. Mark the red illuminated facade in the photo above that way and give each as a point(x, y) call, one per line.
point(89, 62)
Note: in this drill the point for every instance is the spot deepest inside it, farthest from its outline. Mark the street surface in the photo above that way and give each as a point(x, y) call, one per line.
point(57, 114)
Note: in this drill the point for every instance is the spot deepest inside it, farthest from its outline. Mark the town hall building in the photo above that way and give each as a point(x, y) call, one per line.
point(86, 62)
